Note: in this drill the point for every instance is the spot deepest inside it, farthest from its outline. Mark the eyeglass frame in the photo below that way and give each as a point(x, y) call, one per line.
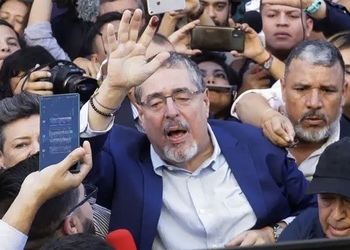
point(87, 197)
point(193, 93)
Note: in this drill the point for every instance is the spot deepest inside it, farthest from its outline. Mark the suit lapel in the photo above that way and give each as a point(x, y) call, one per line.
point(152, 200)
point(240, 161)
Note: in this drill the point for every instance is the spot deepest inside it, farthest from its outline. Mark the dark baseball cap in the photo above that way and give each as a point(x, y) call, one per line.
point(332, 173)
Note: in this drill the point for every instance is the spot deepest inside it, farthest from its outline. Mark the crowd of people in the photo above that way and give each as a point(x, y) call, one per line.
point(183, 148)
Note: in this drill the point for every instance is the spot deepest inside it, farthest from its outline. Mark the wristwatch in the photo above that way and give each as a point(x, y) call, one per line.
point(267, 64)
point(277, 230)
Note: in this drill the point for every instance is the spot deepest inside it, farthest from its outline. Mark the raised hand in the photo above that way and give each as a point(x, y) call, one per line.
point(127, 63)
point(253, 47)
point(191, 7)
point(56, 179)
point(40, 186)
point(181, 39)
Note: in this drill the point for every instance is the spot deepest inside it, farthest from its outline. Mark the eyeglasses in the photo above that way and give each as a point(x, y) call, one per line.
point(181, 98)
point(90, 196)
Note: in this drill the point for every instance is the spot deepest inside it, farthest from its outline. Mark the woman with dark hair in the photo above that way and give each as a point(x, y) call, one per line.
point(10, 41)
point(16, 75)
point(220, 80)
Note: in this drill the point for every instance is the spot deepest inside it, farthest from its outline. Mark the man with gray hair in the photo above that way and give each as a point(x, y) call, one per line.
point(311, 96)
point(185, 183)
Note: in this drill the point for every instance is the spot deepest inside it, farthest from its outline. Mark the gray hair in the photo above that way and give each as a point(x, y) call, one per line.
point(13, 108)
point(178, 61)
point(316, 52)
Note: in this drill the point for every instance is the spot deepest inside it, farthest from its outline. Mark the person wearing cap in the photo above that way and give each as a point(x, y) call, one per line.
point(331, 182)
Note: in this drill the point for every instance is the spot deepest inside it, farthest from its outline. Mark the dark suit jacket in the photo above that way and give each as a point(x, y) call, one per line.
point(128, 185)
point(124, 116)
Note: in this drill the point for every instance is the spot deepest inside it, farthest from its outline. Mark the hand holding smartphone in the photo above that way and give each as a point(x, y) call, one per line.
point(217, 38)
point(59, 128)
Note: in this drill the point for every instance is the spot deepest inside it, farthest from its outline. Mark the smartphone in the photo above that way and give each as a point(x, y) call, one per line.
point(59, 128)
point(162, 6)
point(229, 89)
point(217, 38)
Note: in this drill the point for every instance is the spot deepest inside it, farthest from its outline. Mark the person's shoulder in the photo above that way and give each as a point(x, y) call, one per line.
point(247, 134)
point(305, 226)
point(309, 214)
point(237, 129)
point(124, 135)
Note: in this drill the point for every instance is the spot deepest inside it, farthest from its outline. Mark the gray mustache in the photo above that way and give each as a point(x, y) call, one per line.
point(314, 113)
point(175, 123)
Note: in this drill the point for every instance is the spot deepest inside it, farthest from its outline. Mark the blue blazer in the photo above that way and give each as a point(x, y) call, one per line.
point(123, 171)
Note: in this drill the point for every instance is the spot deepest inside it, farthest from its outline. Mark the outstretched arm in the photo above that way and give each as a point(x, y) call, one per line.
point(252, 108)
point(127, 66)
point(254, 50)
point(38, 31)
point(41, 186)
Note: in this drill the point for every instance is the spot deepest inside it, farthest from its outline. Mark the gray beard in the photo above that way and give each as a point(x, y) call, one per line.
point(316, 136)
point(180, 154)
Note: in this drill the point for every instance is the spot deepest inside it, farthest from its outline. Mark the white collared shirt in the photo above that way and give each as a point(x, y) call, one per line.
point(203, 209)
point(308, 166)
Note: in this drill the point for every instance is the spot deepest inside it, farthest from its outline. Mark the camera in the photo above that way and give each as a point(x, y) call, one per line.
point(68, 78)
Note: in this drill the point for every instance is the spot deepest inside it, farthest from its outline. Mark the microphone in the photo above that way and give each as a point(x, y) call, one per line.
point(253, 19)
point(88, 10)
point(121, 239)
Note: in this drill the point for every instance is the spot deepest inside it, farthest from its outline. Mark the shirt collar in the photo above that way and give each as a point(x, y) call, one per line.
point(158, 163)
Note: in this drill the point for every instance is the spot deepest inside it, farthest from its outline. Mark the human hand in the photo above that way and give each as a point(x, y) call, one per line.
point(181, 39)
point(277, 128)
point(35, 83)
point(191, 7)
point(127, 63)
point(255, 78)
point(253, 237)
point(253, 47)
point(91, 67)
point(56, 179)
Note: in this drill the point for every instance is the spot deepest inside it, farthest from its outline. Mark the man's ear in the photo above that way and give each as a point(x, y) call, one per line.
point(2, 164)
point(70, 225)
point(207, 101)
point(283, 88)
point(308, 27)
point(345, 91)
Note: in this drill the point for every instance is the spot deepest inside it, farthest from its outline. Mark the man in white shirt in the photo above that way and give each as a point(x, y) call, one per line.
point(311, 96)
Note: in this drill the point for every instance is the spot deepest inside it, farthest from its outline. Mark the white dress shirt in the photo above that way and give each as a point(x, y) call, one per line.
point(200, 210)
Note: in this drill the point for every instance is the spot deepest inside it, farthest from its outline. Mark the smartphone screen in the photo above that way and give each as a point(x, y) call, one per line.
point(59, 128)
